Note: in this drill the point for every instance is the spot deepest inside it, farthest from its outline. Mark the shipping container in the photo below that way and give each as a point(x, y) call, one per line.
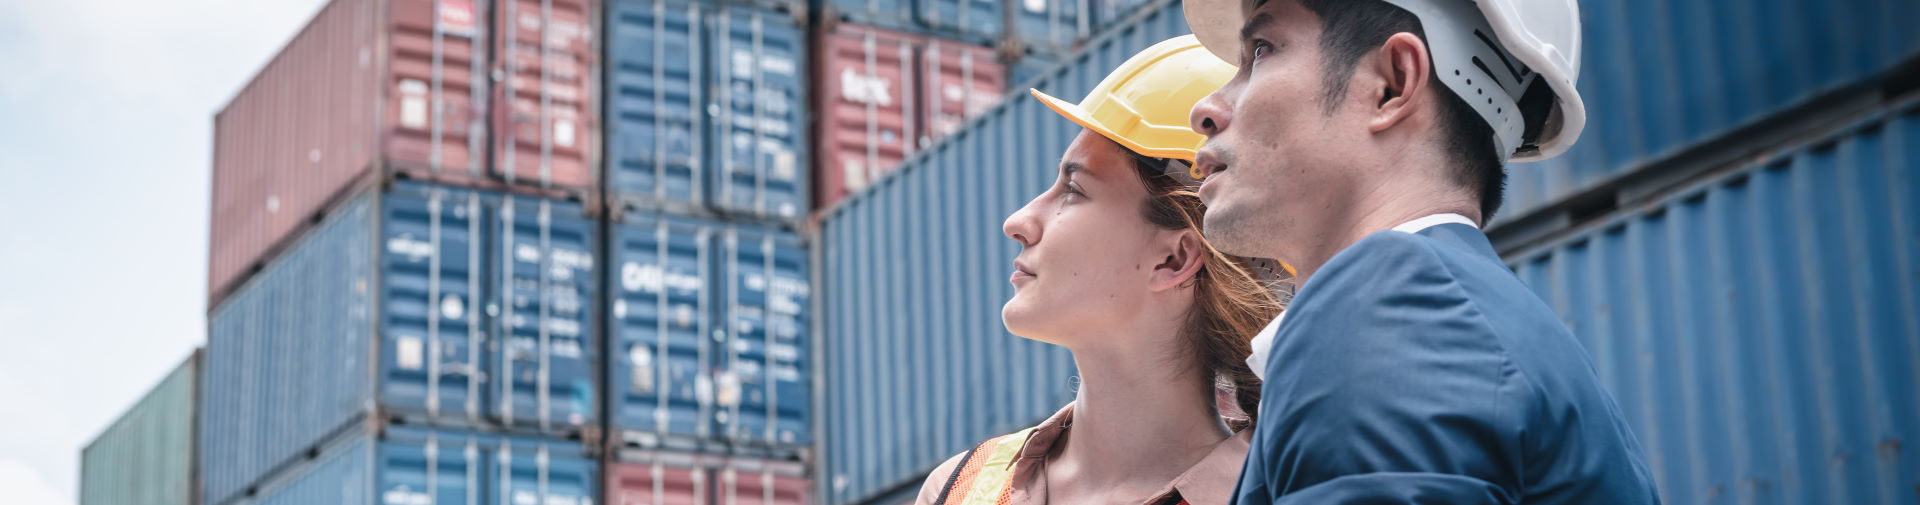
point(659, 363)
point(1759, 328)
point(886, 93)
point(710, 336)
point(976, 21)
point(408, 466)
point(912, 277)
point(666, 478)
point(707, 109)
point(656, 154)
point(1108, 13)
point(147, 456)
point(420, 304)
point(762, 374)
point(1660, 77)
point(758, 94)
point(379, 89)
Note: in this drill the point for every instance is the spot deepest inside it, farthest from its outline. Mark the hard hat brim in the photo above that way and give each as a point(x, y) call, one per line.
point(1079, 115)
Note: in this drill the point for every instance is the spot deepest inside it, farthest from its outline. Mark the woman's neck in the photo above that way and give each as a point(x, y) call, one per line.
point(1138, 420)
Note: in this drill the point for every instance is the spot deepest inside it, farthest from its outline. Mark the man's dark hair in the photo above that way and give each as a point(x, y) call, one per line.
point(1350, 29)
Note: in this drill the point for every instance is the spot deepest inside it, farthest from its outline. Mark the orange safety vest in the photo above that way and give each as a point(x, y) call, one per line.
point(985, 473)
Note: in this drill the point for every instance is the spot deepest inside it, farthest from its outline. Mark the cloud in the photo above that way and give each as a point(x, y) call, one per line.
point(27, 487)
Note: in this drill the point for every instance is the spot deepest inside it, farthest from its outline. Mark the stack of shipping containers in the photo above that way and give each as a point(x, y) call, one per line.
point(1733, 238)
point(403, 275)
point(147, 457)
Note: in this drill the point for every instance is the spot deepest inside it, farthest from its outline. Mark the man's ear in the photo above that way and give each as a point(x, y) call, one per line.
point(1183, 256)
point(1400, 72)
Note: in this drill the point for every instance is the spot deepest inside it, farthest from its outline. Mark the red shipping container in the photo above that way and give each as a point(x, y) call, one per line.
point(663, 478)
point(866, 112)
point(372, 89)
point(883, 94)
point(957, 81)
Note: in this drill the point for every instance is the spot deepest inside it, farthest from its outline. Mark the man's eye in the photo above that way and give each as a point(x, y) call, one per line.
point(1261, 48)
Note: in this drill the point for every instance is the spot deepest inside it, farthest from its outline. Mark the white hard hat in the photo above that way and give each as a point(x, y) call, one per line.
point(1491, 53)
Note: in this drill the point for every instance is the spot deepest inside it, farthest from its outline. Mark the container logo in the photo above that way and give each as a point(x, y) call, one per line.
point(412, 248)
point(456, 18)
point(865, 88)
point(653, 279)
point(403, 496)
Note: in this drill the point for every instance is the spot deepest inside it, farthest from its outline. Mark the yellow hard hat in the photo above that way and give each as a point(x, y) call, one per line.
point(1144, 104)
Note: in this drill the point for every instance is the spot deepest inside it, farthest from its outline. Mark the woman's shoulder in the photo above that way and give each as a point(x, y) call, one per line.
point(937, 480)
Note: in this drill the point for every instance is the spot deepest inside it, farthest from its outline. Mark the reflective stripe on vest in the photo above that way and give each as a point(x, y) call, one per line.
point(985, 475)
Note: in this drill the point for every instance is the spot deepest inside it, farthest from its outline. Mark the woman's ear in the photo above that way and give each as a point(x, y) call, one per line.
point(1180, 261)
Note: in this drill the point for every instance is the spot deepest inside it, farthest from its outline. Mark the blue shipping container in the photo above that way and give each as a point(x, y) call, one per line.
point(474, 306)
point(706, 109)
point(425, 467)
point(655, 149)
point(709, 333)
point(1052, 26)
point(759, 135)
point(1659, 76)
point(762, 376)
point(912, 280)
point(1760, 329)
point(658, 369)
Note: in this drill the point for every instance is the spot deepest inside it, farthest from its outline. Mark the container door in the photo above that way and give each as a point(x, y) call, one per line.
point(1051, 26)
point(747, 482)
point(437, 96)
point(544, 119)
point(543, 266)
point(961, 81)
point(431, 272)
point(661, 313)
point(868, 100)
point(758, 61)
point(762, 381)
point(977, 21)
point(542, 473)
point(657, 484)
point(442, 469)
point(655, 145)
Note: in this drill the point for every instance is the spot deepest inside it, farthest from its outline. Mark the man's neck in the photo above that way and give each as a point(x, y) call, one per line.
point(1380, 218)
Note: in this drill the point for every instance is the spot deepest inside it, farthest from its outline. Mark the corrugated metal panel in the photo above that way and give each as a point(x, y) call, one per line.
point(658, 370)
point(759, 129)
point(761, 375)
point(375, 88)
point(483, 320)
point(146, 457)
point(415, 466)
point(1759, 329)
point(545, 117)
point(655, 144)
point(1113, 12)
point(1660, 76)
point(912, 345)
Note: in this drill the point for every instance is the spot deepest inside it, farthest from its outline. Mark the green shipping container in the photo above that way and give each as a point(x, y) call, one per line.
point(146, 457)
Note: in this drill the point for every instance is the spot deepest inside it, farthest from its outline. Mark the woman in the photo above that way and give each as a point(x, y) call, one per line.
point(1114, 268)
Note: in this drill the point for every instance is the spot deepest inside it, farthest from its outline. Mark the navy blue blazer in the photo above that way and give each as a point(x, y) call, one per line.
point(1416, 368)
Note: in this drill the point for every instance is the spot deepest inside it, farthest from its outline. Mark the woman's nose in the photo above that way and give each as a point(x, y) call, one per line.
point(1023, 226)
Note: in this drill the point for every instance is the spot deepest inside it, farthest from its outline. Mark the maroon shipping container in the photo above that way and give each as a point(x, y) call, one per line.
point(867, 112)
point(371, 89)
point(958, 81)
point(883, 94)
point(540, 133)
point(694, 479)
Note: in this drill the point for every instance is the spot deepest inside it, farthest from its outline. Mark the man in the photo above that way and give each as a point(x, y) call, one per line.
point(1362, 142)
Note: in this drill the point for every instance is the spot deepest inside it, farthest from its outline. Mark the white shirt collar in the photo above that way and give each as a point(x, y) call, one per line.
point(1419, 225)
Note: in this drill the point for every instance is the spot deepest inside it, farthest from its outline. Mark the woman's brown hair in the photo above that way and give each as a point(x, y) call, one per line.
point(1231, 300)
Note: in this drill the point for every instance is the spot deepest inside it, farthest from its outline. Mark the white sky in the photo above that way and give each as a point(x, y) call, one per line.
point(106, 111)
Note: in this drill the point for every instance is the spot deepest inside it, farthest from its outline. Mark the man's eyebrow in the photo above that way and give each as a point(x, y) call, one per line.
point(1258, 22)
